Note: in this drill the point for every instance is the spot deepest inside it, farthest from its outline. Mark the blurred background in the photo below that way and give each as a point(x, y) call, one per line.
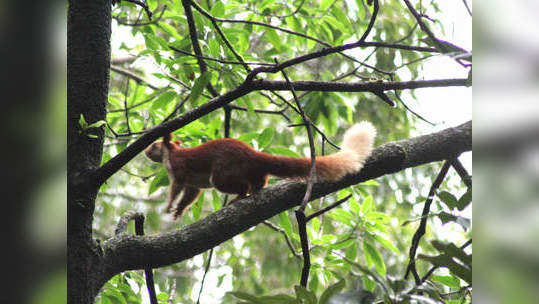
point(506, 150)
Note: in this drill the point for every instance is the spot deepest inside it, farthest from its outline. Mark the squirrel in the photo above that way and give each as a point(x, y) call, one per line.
point(231, 166)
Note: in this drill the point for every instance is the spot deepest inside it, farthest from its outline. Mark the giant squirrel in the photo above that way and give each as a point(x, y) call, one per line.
point(231, 166)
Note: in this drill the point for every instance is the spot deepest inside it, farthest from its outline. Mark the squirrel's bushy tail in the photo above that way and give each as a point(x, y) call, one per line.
point(356, 147)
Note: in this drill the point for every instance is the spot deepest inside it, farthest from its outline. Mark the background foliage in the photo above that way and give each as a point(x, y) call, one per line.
point(360, 247)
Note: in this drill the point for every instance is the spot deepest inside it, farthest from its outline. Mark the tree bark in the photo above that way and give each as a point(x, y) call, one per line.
point(88, 64)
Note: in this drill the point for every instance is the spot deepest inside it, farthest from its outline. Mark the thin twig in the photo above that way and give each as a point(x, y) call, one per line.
point(397, 95)
point(172, 292)
point(150, 284)
point(280, 112)
point(206, 269)
point(326, 209)
point(423, 224)
point(132, 75)
point(286, 238)
point(137, 23)
point(143, 5)
point(371, 22)
point(466, 178)
point(126, 112)
point(308, 124)
point(194, 42)
point(219, 60)
point(467, 7)
point(282, 16)
point(171, 115)
point(152, 97)
point(300, 213)
point(440, 46)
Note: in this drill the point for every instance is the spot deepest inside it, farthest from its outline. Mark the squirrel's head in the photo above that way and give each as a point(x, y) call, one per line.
point(155, 151)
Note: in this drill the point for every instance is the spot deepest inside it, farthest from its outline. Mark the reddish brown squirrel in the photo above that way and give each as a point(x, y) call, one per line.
point(231, 166)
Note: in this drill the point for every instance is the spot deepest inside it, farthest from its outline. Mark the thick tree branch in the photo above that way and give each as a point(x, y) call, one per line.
point(100, 175)
point(324, 86)
point(127, 252)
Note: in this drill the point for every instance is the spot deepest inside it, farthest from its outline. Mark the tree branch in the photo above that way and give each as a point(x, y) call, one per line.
point(133, 76)
point(100, 175)
point(423, 224)
point(368, 86)
point(127, 252)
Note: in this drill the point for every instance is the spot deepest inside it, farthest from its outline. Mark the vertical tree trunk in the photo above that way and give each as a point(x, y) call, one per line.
point(88, 62)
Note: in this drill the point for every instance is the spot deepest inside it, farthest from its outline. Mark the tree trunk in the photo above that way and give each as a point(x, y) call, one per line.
point(88, 61)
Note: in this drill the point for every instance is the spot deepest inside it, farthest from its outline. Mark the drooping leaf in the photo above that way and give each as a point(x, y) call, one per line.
point(160, 180)
point(307, 296)
point(330, 291)
point(372, 254)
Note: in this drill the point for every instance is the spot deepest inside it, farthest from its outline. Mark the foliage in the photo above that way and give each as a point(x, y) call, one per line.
point(360, 246)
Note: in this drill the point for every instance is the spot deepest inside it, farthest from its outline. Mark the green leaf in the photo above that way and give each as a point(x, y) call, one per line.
point(170, 30)
point(283, 151)
point(368, 284)
point(465, 200)
point(200, 84)
point(342, 17)
point(160, 180)
point(342, 216)
point(273, 38)
point(368, 205)
point(330, 291)
point(342, 244)
point(324, 239)
point(265, 137)
point(196, 209)
point(469, 80)
point(277, 299)
point(451, 253)
point(150, 42)
point(303, 294)
point(351, 252)
point(97, 124)
point(454, 251)
point(386, 243)
point(82, 122)
point(216, 202)
point(448, 198)
point(285, 222)
point(325, 4)
point(372, 254)
point(377, 217)
point(248, 137)
point(244, 296)
point(163, 100)
point(370, 183)
point(450, 281)
point(445, 217)
point(315, 222)
point(218, 9)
